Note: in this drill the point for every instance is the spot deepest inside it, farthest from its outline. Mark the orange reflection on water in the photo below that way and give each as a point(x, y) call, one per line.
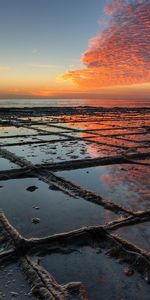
point(112, 132)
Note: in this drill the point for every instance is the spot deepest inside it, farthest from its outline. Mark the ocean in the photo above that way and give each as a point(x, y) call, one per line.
point(72, 102)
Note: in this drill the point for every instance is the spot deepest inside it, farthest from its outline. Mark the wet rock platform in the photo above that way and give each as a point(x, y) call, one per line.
point(74, 200)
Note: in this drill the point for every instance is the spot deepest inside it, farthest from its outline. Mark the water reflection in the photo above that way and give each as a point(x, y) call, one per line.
point(57, 211)
point(126, 185)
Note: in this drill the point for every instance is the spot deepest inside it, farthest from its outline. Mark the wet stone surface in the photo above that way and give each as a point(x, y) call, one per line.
point(55, 152)
point(38, 201)
point(126, 185)
point(103, 276)
point(13, 283)
point(6, 165)
point(137, 234)
point(6, 242)
point(57, 211)
point(14, 130)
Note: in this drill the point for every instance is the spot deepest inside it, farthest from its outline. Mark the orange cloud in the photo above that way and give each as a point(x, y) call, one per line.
point(120, 55)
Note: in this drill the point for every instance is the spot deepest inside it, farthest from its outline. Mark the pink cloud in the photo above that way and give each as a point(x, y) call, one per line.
point(120, 55)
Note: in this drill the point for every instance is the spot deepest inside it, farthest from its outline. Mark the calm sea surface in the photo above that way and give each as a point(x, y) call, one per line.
point(73, 102)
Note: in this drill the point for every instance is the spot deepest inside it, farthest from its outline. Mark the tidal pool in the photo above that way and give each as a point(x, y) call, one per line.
point(7, 165)
point(102, 276)
point(54, 152)
point(56, 211)
point(15, 130)
point(137, 234)
point(20, 140)
point(127, 185)
point(51, 129)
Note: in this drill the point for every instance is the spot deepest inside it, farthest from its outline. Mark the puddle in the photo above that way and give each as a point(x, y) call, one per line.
point(80, 134)
point(114, 141)
point(97, 150)
point(84, 125)
point(61, 151)
point(74, 125)
point(52, 137)
point(136, 137)
point(126, 185)
point(57, 211)
point(7, 165)
point(13, 283)
point(102, 276)
point(19, 140)
point(137, 234)
point(49, 128)
point(13, 130)
point(55, 152)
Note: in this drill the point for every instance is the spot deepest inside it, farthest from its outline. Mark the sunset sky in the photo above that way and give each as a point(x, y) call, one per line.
point(75, 48)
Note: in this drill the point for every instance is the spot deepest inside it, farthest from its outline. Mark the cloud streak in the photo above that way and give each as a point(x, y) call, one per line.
point(35, 50)
point(4, 68)
point(120, 55)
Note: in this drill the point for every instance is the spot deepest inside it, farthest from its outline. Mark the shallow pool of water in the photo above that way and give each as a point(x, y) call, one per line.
point(6, 164)
point(127, 185)
point(102, 276)
point(57, 211)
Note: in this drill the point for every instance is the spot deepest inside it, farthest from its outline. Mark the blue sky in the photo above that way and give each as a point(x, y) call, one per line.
point(46, 47)
point(58, 30)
